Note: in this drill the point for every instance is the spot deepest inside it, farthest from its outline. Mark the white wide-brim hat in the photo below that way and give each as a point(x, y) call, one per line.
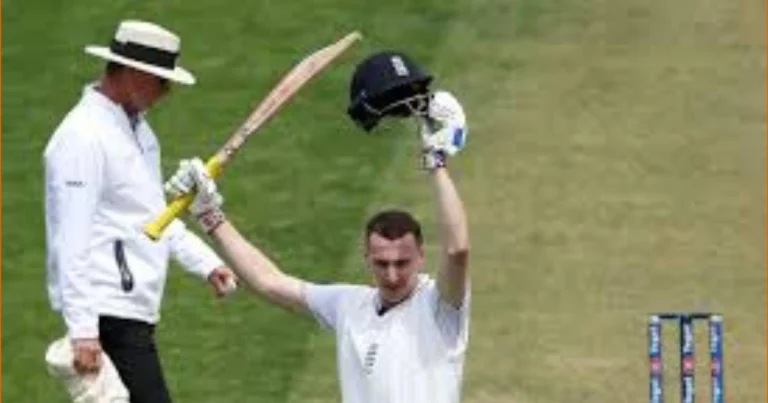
point(147, 47)
point(103, 387)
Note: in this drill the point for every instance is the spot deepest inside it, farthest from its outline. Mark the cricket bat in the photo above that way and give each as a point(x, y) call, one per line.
point(278, 97)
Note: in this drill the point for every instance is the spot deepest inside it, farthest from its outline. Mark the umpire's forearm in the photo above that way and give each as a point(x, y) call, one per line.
point(453, 219)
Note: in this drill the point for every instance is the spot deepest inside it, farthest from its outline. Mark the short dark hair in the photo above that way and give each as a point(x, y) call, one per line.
point(393, 224)
point(113, 68)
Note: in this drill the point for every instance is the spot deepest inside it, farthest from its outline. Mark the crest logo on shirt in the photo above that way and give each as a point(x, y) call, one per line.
point(370, 358)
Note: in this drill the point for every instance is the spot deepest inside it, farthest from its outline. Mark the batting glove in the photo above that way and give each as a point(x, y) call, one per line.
point(206, 206)
point(444, 132)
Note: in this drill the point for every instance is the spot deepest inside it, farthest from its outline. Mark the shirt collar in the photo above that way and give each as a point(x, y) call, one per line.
point(377, 303)
point(96, 97)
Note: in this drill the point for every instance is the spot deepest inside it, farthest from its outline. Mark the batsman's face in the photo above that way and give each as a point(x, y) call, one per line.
point(395, 265)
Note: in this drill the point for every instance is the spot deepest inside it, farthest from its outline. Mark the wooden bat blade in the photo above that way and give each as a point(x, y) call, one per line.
point(289, 85)
point(278, 97)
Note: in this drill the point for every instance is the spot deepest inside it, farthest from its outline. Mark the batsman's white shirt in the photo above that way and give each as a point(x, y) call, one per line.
point(414, 353)
point(102, 184)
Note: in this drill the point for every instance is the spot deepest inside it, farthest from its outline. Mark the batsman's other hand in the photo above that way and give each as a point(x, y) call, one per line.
point(444, 131)
point(192, 176)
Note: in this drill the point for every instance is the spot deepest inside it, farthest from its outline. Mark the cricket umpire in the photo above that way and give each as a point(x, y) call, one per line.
point(404, 339)
point(102, 184)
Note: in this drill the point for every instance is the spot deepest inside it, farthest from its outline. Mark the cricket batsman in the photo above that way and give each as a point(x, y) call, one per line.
point(403, 339)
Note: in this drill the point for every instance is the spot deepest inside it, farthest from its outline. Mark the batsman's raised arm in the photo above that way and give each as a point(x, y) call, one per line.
point(252, 266)
point(444, 134)
point(453, 275)
point(259, 272)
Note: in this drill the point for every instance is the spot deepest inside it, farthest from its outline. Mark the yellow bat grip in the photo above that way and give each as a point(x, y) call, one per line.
point(179, 205)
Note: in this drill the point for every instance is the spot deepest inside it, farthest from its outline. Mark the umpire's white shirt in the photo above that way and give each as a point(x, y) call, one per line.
point(102, 184)
point(414, 353)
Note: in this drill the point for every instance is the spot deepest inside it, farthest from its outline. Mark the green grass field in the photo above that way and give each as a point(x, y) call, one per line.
point(616, 167)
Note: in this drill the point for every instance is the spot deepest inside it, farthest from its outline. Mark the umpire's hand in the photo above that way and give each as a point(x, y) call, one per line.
point(87, 355)
point(223, 281)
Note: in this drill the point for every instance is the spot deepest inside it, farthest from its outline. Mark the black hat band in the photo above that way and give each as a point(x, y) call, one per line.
point(146, 54)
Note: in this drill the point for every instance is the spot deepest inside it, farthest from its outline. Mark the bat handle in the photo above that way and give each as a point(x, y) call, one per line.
point(154, 230)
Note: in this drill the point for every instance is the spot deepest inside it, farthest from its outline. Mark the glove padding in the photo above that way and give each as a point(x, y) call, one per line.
point(444, 131)
point(206, 206)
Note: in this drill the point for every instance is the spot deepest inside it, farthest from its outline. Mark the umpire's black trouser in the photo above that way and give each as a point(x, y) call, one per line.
point(130, 345)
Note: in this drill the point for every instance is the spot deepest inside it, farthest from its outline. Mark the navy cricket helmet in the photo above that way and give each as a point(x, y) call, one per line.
point(387, 83)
